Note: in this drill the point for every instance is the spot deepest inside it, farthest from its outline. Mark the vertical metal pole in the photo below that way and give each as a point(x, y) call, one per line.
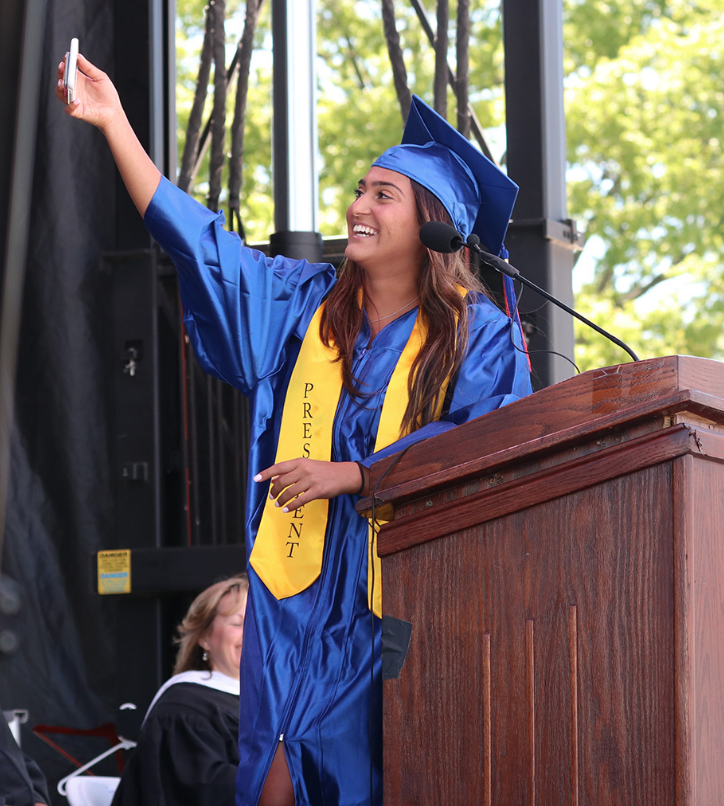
point(239, 478)
point(214, 481)
point(295, 141)
point(541, 239)
point(221, 462)
point(145, 78)
point(146, 81)
point(162, 85)
point(195, 502)
point(163, 147)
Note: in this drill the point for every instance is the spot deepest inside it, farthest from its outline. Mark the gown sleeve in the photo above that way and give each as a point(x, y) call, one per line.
point(186, 752)
point(240, 307)
point(494, 373)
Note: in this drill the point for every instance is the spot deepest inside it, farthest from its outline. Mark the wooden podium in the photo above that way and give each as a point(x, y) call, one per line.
point(561, 561)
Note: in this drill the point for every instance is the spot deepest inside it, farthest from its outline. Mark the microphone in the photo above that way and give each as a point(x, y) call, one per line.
point(441, 237)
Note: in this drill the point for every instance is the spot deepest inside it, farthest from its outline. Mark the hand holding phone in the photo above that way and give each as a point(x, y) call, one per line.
point(71, 70)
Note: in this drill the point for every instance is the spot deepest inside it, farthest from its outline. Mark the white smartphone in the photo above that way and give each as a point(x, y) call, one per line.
point(71, 69)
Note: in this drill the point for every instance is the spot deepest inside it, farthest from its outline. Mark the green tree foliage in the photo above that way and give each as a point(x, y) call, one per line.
point(643, 103)
point(359, 116)
point(257, 205)
point(358, 113)
point(644, 122)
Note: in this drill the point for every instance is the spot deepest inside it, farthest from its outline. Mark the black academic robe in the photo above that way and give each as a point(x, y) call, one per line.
point(21, 782)
point(187, 751)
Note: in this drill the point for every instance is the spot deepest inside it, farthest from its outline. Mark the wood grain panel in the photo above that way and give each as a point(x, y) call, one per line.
point(567, 630)
point(443, 653)
point(487, 722)
point(605, 550)
point(684, 548)
point(530, 700)
point(706, 544)
point(573, 660)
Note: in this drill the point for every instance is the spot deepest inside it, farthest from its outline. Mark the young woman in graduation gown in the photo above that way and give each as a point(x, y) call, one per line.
point(187, 752)
point(339, 373)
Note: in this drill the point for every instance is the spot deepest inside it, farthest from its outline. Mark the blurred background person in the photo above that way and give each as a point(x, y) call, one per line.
point(187, 750)
point(21, 781)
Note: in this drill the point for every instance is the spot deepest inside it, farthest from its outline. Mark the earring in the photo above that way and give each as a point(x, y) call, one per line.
point(204, 655)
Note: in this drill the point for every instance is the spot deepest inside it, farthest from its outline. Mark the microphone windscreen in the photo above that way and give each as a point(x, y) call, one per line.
point(441, 237)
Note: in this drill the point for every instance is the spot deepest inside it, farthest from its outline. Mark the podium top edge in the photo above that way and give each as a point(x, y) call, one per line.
point(598, 399)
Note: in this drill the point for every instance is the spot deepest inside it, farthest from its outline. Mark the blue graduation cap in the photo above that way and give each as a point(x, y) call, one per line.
point(477, 195)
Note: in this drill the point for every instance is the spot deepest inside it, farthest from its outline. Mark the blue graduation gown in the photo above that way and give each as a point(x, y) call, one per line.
point(305, 668)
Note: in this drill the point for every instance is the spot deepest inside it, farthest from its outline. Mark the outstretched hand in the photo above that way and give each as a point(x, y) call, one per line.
point(299, 481)
point(96, 98)
point(97, 103)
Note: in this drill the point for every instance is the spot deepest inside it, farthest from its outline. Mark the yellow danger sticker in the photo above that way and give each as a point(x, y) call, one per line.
point(114, 571)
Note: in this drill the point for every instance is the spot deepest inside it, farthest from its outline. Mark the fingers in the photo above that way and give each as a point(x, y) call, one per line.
point(59, 87)
point(60, 90)
point(296, 496)
point(292, 483)
point(89, 69)
point(274, 470)
point(74, 109)
point(62, 94)
point(297, 482)
point(85, 67)
point(282, 476)
point(298, 502)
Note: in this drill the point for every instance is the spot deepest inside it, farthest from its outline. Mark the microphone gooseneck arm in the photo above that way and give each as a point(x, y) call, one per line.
point(441, 237)
point(505, 268)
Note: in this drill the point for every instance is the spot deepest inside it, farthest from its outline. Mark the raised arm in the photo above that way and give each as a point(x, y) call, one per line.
point(97, 103)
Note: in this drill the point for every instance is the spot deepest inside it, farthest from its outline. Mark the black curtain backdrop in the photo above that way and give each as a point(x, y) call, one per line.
point(60, 508)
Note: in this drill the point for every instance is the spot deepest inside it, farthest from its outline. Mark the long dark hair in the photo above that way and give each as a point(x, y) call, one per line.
point(444, 311)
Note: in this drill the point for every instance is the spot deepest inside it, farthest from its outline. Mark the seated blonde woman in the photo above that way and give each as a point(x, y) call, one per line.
point(187, 750)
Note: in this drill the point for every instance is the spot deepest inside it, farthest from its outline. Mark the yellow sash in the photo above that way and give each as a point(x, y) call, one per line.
point(388, 431)
point(288, 549)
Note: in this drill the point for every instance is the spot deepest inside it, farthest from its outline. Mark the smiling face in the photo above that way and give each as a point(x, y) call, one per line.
point(383, 225)
point(224, 637)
